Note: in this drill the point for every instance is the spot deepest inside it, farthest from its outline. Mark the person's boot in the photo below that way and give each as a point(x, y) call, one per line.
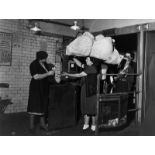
point(93, 126)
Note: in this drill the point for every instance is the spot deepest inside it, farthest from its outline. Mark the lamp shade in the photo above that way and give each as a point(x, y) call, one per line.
point(35, 28)
point(75, 26)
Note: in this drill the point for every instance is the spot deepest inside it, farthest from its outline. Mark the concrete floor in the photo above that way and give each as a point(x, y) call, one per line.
point(17, 125)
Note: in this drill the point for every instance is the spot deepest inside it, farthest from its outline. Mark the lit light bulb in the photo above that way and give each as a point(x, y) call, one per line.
point(75, 26)
point(35, 28)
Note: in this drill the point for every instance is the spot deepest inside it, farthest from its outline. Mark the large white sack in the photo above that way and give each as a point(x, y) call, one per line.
point(102, 47)
point(114, 58)
point(81, 46)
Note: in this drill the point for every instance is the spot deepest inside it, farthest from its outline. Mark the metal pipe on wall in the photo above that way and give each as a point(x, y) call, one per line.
point(140, 66)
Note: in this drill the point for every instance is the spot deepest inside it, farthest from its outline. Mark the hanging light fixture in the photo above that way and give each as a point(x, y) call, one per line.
point(75, 26)
point(35, 28)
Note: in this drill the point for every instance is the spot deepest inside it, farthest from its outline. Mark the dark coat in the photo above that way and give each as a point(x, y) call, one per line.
point(88, 91)
point(38, 90)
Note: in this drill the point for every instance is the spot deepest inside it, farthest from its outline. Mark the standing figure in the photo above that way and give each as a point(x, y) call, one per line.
point(39, 89)
point(88, 93)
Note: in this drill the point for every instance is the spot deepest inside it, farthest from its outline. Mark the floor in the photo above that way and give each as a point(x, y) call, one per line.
point(17, 125)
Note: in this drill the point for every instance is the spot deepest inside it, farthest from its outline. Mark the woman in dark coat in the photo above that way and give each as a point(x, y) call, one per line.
point(38, 90)
point(88, 93)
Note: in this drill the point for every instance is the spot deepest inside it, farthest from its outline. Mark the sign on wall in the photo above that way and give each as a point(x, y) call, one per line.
point(5, 48)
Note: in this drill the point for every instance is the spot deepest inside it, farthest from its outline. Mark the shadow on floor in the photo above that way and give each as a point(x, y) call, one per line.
point(17, 125)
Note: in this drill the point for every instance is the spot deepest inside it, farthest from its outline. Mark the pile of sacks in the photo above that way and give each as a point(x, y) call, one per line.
point(99, 47)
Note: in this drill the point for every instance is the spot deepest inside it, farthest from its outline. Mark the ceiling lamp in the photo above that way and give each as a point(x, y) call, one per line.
point(75, 26)
point(35, 28)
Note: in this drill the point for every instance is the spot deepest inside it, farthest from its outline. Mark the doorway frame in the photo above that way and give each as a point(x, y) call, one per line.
point(141, 56)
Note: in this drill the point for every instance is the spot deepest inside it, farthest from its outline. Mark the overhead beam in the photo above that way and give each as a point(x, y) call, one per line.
point(55, 22)
point(43, 33)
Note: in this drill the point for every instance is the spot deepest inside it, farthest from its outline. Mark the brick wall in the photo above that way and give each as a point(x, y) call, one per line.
point(24, 47)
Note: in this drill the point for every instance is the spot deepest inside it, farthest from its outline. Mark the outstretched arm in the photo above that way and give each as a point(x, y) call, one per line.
point(82, 74)
point(78, 63)
point(42, 76)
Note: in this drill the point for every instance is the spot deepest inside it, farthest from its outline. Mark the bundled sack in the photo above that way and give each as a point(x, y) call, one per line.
point(115, 58)
point(102, 47)
point(81, 46)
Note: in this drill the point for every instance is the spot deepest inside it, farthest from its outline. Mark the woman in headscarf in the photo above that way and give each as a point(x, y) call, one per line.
point(38, 89)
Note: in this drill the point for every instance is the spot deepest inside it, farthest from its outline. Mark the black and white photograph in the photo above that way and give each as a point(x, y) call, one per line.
point(80, 76)
point(77, 77)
